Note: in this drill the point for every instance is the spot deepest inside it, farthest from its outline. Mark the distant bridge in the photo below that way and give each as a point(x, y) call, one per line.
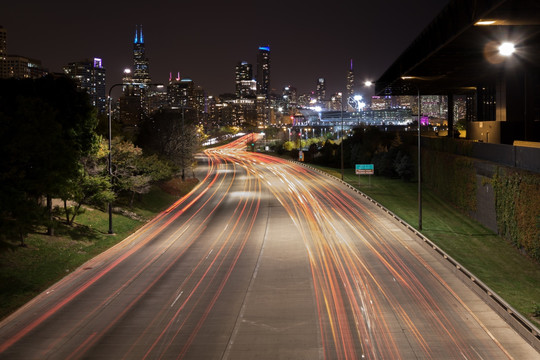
point(311, 118)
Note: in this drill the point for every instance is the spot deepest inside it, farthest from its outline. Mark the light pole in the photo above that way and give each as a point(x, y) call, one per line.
point(109, 162)
point(109, 165)
point(421, 78)
point(342, 166)
point(419, 153)
point(419, 164)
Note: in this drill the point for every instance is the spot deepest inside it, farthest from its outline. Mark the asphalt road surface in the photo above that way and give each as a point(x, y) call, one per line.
point(265, 259)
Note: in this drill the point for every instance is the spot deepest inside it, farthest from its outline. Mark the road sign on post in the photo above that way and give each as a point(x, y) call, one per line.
point(365, 169)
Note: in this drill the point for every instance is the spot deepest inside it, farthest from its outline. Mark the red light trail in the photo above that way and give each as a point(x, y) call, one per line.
point(185, 285)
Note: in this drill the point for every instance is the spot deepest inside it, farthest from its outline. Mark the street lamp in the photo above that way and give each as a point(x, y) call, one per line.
point(420, 78)
point(342, 166)
point(419, 154)
point(109, 165)
point(419, 163)
point(109, 162)
point(507, 49)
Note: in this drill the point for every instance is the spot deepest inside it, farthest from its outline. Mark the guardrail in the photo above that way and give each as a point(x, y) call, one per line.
point(523, 326)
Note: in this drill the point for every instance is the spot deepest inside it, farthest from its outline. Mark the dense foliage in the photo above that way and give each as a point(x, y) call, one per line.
point(366, 145)
point(518, 208)
point(173, 135)
point(49, 149)
point(46, 126)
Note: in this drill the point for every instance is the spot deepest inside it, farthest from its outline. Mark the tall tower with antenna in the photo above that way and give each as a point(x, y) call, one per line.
point(350, 81)
point(141, 71)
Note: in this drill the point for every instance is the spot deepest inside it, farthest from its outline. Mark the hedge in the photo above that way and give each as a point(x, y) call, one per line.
point(517, 203)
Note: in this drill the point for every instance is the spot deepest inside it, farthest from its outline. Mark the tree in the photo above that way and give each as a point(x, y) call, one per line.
point(87, 189)
point(404, 166)
point(132, 171)
point(92, 186)
point(171, 133)
point(46, 126)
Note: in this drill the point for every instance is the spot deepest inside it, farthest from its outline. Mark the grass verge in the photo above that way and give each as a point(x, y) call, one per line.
point(513, 276)
point(27, 271)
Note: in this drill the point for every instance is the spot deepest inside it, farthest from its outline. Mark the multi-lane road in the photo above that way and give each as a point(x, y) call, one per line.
point(265, 259)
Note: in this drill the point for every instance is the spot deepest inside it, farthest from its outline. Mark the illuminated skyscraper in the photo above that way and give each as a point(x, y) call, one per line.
point(321, 90)
point(3, 42)
point(15, 66)
point(90, 75)
point(350, 83)
point(141, 72)
point(245, 85)
point(263, 70)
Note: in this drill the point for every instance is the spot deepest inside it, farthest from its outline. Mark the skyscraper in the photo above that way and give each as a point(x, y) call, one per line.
point(15, 66)
point(350, 83)
point(321, 90)
point(263, 70)
point(89, 75)
point(141, 72)
point(244, 80)
point(3, 42)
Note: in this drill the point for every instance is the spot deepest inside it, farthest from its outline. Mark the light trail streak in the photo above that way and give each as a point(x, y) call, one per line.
point(372, 291)
point(350, 297)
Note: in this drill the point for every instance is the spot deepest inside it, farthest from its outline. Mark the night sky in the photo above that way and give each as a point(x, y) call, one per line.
point(203, 40)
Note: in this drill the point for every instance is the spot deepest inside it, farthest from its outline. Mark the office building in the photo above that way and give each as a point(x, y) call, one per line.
point(16, 66)
point(246, 86)
point(321, 90)
point(350, 85)
point(3, 42)
point(263, 71)
point(141, 70)
point(89, 75)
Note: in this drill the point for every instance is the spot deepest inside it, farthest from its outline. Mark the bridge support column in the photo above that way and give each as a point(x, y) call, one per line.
point(450, 117)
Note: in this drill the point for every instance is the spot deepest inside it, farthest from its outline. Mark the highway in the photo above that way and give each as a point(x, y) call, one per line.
point(265, 259)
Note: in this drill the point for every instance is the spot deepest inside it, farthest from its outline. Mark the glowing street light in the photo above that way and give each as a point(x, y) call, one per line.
point(419, 152)
point(507, 49)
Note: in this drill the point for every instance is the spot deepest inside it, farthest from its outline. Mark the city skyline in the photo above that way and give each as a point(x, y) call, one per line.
point(206, 41)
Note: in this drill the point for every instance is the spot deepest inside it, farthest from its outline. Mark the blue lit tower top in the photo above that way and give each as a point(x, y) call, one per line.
point(141, 73)
point(263, 70)
point(138, 36)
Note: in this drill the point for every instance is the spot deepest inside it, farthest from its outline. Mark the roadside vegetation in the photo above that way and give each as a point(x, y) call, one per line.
point(501, 266)
point(509, 264)
point(55, 184)
point(27, 271)
point(55, 180)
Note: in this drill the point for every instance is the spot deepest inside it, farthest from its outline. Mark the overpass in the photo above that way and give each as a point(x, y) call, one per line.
point(457, 54)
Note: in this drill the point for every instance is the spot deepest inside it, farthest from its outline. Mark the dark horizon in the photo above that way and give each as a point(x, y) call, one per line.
point(204, 41)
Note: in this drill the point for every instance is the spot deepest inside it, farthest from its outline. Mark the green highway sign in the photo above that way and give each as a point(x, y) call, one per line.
point(365, 169)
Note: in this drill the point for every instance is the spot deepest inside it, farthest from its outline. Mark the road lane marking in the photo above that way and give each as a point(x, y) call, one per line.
point(178, 297)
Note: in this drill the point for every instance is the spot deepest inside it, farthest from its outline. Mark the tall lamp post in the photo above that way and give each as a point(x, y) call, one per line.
point(342, 137)
point(421, 78)
point(419, 153)
point(419, 164)
point(109, 165)
point(109, 162)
